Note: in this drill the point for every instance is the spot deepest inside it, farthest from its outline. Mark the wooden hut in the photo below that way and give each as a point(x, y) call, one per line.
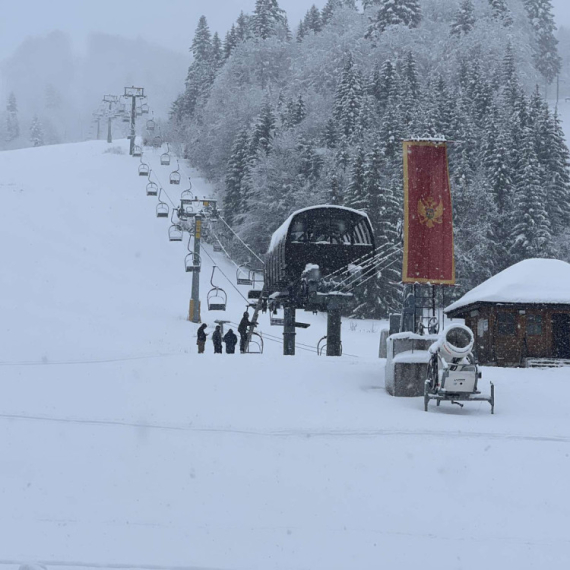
point(521, 316)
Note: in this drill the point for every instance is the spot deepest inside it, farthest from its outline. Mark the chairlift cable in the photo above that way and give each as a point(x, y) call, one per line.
point(373, 264)
point(243, 242)
point(228, 279)
point(372, 270)
point(371, 276)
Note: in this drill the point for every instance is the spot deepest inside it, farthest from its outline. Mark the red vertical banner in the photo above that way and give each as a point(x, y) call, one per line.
point(428, 215)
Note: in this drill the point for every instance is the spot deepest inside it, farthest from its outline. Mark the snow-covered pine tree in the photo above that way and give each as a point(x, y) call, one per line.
point(558, 170)
point(201, 73)
point(236, 176)
point(312, 21)
point(263, 131)
point(356, 195)
point(329, 9)
point(501, 12)
point(230, 41)
point(532, 232)
point(300, 111)
point(387, 85)
point(335, 194)
point(217, 53)
point(348, 98)
point(301, 32)
point(244, 25)
point(394, 12)
point(546, 57)
point(12, 124)
point(310, 163)
point(383, 291)
point(36, 132)
point(464, 19)
point(266, 18)
point(330, 134)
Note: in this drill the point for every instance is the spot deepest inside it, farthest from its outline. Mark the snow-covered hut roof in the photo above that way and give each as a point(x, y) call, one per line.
point(538, 281)
point(282, 229)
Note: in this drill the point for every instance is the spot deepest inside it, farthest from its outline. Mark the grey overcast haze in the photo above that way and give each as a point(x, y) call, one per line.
point(169, 23)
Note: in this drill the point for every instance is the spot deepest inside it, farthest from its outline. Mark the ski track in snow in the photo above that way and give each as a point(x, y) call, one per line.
point(289, 433)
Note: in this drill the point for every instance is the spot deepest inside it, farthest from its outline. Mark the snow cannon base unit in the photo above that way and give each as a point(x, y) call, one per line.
point(407, 360)
point(452, 373)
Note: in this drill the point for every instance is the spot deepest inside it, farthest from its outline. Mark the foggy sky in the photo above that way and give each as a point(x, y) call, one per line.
point(170, 23)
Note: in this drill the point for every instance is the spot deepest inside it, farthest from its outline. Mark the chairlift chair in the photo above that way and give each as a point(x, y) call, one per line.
point(162, 209)
point(150, 125)
point(243, 276)
point(144, 109)
point(175, 233)
point(137, 151)
point(165, 159)
point(143, 169)
point(151, 187)
point(157, 141)
point(175, 175)
point(217, 298)
point(191, 262)
point(138, 111)
point(126, 119)
point(255, 344)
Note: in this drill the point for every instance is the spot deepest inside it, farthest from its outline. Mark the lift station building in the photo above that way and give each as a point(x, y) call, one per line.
point(520, 316)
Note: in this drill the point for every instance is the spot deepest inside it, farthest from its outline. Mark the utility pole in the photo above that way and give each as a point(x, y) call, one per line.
point(112, 100)
point(289, 333)
point(194, 314)
point(134, 93)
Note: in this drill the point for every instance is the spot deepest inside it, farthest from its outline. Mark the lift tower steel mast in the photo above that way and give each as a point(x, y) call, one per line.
point(134, 93)
point(112, 100)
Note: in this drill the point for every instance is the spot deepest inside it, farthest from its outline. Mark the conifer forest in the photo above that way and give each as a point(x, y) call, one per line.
point(281, 115)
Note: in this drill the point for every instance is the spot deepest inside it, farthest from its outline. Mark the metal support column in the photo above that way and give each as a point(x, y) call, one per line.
point(334, 321)
point(194, 315)
point(289, 330)
point(133, 116)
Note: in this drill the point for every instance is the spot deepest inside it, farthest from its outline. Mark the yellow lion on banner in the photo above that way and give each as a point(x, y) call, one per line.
point(430, 212)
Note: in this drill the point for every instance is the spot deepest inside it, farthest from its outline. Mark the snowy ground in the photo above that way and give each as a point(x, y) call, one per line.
point(119, 445)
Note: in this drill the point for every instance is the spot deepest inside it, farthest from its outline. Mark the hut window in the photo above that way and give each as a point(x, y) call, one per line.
point(506, 324)
point(534, 325)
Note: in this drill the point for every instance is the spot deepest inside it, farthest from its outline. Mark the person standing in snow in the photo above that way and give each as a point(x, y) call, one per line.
point(201, 342)
point(217, 340)
point(231, 340)
point(244, 324)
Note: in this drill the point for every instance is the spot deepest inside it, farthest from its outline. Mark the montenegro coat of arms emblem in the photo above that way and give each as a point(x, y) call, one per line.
point(430, 212)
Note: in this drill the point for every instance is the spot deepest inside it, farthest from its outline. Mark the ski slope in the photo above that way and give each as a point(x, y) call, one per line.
point(120, 446)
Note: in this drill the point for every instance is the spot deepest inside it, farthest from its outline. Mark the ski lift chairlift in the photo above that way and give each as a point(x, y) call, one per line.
point(137, 151)
point(162, 209)
point(175, 175)
point(255, 344)
point(217, 298)
point(143, 169)
point(191, 262)
point(165, 159)
point(175, 233)
point(144, 109)
point(150, 125)
point(241, 276)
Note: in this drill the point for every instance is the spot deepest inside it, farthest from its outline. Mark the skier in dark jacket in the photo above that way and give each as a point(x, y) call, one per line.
point(244, 324)
point(217, 340)
point(201, 342)
point(231, 340)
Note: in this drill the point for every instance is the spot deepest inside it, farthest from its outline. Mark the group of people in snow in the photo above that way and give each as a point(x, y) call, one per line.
point(229, 339)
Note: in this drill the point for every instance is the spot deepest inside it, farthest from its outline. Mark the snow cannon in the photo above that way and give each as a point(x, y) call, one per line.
point(453, 373)
point(454, 344)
